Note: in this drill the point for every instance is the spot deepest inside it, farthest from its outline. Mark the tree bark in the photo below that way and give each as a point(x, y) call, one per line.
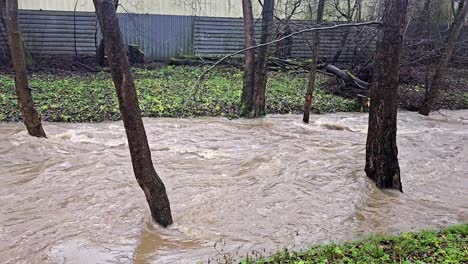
point(258, 106)
point(140, 153)
point(381, 148)
point(101, 51)
point(23, 92)
point(434, 87)
point(249, 60)
point(313, 67)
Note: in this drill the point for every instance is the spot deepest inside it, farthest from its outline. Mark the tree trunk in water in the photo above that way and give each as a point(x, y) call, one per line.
point(313, 67)
point(145, 173)
point(381, 148)
point(249, 60)
point(258, 106)
point(433, 92)
point(23, 92)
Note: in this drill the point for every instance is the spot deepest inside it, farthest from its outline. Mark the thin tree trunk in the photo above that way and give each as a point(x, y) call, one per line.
point(23, 92)
point(249, 60)
point(434, 88)
point(342, 47)
point(258, 107)
point(313, 67)
point(140, 153)
point(359, 11)
point(381, 148)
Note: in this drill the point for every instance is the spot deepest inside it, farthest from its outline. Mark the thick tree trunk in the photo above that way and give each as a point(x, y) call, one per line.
point(101, 51)
point(313, 67)
point(23, 92)
point(249, 60)
point(258, 106)
point(434, 87)
point(145, 173)
point(381, 149)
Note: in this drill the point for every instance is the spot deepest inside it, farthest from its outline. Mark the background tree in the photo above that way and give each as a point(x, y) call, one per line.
point(351, 11)
point(146, 176)
point(9, 10)
point(381, 148)
point(259, 94)
point(249, 60)
point(313, 66)
point(284, 13)
point(449, 46)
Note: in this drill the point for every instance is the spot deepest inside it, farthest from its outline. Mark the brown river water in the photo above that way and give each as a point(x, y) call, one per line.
point(235, 186)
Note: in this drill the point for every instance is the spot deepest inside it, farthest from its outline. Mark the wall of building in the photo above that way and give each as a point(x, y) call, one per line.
point(218, 8)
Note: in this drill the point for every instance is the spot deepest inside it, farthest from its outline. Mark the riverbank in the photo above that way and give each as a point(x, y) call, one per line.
point(167, 91)
point(449, 245)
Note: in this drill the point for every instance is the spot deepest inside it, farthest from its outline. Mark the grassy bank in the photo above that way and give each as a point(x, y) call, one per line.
point(446, 246)
point(163, 92)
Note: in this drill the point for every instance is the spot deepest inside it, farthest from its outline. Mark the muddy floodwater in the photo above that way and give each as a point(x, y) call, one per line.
point(235, 186)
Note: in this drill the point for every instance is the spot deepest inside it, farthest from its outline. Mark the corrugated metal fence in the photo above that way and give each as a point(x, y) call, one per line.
point(219, 36)
point(165, 36)
point(159, 36)
point(57, 32)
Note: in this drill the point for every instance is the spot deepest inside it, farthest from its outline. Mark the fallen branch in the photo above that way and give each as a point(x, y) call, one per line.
point(347, 77)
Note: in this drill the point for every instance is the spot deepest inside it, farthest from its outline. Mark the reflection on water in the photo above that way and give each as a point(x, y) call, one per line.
point(234, 185)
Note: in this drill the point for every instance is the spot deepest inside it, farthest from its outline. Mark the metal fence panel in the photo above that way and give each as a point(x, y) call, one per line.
point(56, 32)
point(220, 36)
point(159, 36)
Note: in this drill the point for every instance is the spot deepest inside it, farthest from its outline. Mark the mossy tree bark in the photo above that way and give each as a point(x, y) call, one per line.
point(434, 87)
point(313, 66)
point(249, 60)
point(259, 93)
point(381, 148)
point(27, 108)
point(140, 153)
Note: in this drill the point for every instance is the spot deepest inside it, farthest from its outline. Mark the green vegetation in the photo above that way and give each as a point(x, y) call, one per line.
point(163, 92)
point(447, 246)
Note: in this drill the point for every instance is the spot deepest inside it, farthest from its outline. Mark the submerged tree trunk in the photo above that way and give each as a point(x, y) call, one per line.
point(249, 60)
point(145, 173)
point(258, 106)
point(313, 66)
point(434, 87)
point(381, 148)
point(23, 92)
